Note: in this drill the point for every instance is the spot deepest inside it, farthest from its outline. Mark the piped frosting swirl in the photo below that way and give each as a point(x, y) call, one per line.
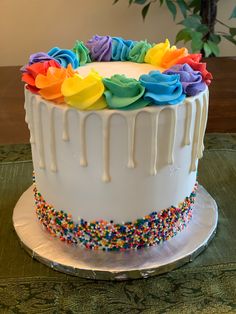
point(138, 52)
point(184, 74)
point(100, 48)
point(124, 93)
point(192, 81)
point(162, 89)
point(121, 48)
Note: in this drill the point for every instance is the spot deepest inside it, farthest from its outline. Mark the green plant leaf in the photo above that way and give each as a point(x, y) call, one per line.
point(215, 38)
point(145, 10)
point(214, 47)
point(184, 34)
point(233, 14)
point(161, 2)
point(232, 31)
point(196, 5)
point(192, 21)
point(202, 28)
point(140, 1)
point(172, 8)
point(197, 42)
point(207, 49)
point(183, 7)
point(115, 1)
point(230, 38)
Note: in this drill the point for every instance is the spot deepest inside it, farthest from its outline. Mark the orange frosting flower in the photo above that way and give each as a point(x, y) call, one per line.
point(31, 71)
point(172, 55)
point(50, 84)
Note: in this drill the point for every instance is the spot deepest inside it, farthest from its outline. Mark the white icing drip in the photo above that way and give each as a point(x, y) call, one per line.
point(189, 110)
point(40, 137)
point(30, 110)
point(154, 134)
point(25, 107)
point(201, 104)
point(131, 119)
point(65, 134)
point(203, 124)
point(26, 110)
point(105, 147)
point(172, 135)
point(82, 139)
point(196, 134)
point(53, 165)
point(26, 116)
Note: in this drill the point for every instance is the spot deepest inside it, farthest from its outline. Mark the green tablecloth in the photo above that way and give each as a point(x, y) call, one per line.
point(207, 285)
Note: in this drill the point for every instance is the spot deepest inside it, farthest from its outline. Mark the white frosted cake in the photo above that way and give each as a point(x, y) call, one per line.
point(116, 142)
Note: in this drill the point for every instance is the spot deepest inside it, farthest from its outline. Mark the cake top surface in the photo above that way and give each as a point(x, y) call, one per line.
point(114, 73)
point(127, 68)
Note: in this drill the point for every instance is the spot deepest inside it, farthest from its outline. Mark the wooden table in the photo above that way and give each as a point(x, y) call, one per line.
point(222, 111)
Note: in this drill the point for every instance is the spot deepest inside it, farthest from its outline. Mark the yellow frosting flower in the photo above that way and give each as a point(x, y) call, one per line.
point(155, 54)
point(84, 93)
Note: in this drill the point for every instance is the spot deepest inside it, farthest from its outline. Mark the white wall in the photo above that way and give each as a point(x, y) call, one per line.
point(29, 26)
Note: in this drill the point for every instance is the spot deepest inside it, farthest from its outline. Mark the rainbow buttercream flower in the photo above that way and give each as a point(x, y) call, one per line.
point(82, 52)
point(172, 56)
point(138, 52)
point(124, 93)
point(50, 84)
point(64, 57)
point(84, 93)
point(162, 89)
point(194, 61)
point(155, 54)
point(32, 71)
point(192, 81)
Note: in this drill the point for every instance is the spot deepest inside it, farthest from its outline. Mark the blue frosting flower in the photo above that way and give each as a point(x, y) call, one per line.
point(162, 89)
point(121, 48)
point(64, 57)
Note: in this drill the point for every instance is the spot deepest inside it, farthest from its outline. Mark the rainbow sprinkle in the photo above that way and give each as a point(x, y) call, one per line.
point(108, 236)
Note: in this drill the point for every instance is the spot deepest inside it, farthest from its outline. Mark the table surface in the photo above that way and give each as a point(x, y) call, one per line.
point(222, 110)
point(207, 285)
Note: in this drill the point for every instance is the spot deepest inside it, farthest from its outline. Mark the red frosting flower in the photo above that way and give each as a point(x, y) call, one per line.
point(31, 72)
point(194, 61)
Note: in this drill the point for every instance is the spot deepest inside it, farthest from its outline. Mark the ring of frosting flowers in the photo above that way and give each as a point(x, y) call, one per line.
point(54, 77)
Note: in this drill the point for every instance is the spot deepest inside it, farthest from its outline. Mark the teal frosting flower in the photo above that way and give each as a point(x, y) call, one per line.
point(82, 52)
point(162, 89)
point(138, 52)
point(124, 93)
point(121, 48)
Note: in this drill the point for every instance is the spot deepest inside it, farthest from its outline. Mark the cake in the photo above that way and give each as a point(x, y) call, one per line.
point(116, 131)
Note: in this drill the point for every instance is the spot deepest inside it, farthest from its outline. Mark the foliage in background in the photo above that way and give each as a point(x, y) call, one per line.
point(200, 17)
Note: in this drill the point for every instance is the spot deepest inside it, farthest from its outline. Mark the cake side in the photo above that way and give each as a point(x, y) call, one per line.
point(116, 165)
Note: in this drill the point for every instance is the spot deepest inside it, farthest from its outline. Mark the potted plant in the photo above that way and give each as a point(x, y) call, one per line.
point(200, 18)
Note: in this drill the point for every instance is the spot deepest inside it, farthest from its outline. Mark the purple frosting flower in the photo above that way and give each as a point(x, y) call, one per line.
point(37, 57)
point(192, 81)
point(100, 48)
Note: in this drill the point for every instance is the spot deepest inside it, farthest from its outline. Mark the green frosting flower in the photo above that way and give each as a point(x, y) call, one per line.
point(82, 52)
point(124, 93)
point(139, 50)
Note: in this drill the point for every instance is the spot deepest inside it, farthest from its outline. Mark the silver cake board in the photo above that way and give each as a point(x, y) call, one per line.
point(131, 264)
